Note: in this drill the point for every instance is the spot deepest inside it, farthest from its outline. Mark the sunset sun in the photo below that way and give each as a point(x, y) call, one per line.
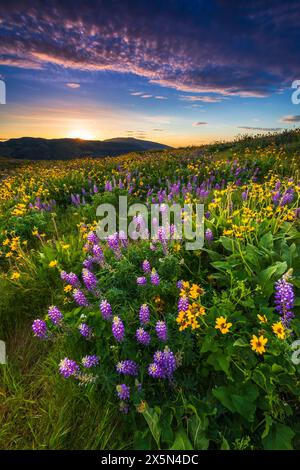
point(83, 134)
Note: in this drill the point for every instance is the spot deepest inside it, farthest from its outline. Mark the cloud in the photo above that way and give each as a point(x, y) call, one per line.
point(204, 99)
point(137, 93)
point(291, 119)
point(73, 85)
point(227, 48)
point(199, 123)
point(262, 129)
point(159, 97)
point(146, 96)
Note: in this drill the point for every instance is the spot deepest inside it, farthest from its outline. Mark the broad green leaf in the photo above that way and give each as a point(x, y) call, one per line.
point(181, 441)
point(279, 437)
point(197, 426)
point(152, 416)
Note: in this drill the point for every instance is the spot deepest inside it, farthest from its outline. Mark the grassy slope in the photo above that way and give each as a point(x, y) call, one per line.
point(38, 410)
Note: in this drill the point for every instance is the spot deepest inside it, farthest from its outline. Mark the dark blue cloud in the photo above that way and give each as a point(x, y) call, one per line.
point(222, 46)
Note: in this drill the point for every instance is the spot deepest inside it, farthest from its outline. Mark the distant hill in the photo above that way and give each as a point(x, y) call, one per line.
point(30, 148)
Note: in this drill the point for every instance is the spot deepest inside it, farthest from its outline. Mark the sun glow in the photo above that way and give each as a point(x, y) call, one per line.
point(80, 134)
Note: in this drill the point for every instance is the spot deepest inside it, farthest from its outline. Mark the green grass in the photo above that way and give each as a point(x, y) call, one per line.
point(38, 410)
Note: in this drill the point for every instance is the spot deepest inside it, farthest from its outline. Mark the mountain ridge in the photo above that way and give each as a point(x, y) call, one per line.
point(38, 148)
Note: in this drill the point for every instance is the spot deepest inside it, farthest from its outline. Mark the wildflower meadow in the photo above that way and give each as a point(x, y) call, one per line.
point(140, 343)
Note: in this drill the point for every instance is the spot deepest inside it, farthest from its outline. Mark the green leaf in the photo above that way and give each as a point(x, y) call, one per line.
point(266, 241)
point(219, 361)
point(228, 243)
point(152, 416)
point(181, 441)
point(276, 269)
point(209, 345)
point(197, 426)
point(224, 445)
point(240, 343)
point(279, 437)
point(167, 434)
point(238, 399)
point(268, 425)
point(143, 440)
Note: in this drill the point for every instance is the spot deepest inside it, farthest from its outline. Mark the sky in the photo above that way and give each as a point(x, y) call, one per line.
point(174, 71)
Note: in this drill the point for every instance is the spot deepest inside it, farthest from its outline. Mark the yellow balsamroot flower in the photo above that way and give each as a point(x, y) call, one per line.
point(262, 318)
point(258, 344)
point(190, 317)
point(223, 325)
point(195, 291)
point(176, 247)
point(65, 246)
point(227, 232)
point(53, 264)
point(278, 329)
point(141, 408)
point(15, 276)
point(68, 288)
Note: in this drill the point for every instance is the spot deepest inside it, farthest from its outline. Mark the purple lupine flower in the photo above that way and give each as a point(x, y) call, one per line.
point(89, 279)
point(123, 391)
point(179, 284)
point(90, 361)
point(85, 330)
point(209, 235)
point(39, 328)
point(155, 371)
point(183, 304)
point(154, 278)
point(88, 263)
point(123, 239)
point(98, 254)
point(80, 298)
point(164, 365)
point(92, 238)
point(105, 309)
point(127, 367)
point(55, 315)
point(141, 281)
point(118, 329)
point(245, 195)
point(284, 299)
point(114, 245)
point(68, 367)
point(276, 196)
point(108, 186)
point(207, 215)
point(73, 280)
point(168, 363)
point(143, 336)
point(146, 266)
point(144, 314)
point(287, 197)
point(64, 276)
point(161, 330)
